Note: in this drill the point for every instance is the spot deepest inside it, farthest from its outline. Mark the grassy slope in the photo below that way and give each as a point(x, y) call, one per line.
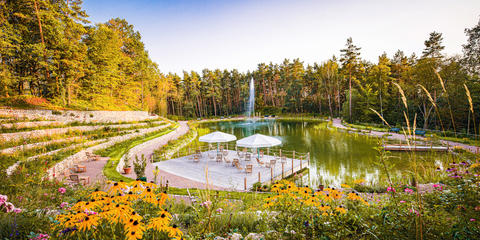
point(116, 152)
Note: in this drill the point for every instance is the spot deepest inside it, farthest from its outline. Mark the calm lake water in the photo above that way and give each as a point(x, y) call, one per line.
point(335, 156)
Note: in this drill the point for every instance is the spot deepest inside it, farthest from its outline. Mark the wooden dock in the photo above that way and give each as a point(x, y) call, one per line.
point(414, 148)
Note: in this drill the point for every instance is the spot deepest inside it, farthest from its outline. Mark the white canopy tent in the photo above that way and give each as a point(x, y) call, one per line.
point(217, 137)
point(258, 141)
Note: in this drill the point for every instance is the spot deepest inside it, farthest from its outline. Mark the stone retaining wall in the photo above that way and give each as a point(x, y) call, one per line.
point(32, 145)
point(98, 116)
point(45, 132)
point(33, 158)
point(81, 156)
point(133, 151)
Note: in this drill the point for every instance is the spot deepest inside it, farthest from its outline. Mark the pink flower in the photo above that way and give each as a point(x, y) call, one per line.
point(408, 190)
point(472, 220)
point(62, 190)
point(402, 202)
point(390, 189)
point(17, 210)
point(64, 204)
point(219, 210)
point(46, 194)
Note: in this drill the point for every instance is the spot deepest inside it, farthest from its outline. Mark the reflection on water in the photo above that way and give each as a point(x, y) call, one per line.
point(336, 157)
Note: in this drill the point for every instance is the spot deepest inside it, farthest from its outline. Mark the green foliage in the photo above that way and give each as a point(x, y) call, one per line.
point(139, 166)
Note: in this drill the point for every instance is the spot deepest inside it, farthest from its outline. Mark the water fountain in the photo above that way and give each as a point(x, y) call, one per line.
point(251, 102)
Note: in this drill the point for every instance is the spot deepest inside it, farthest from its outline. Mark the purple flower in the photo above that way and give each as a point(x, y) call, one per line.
point(464, 163)
point(402, 202)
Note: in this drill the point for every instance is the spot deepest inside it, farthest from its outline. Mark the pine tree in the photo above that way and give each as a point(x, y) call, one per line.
point(351, 65)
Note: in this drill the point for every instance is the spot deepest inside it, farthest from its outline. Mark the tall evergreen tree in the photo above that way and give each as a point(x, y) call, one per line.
point(351, 65)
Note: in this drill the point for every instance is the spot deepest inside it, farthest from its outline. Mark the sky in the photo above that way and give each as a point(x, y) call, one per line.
point(193, 35)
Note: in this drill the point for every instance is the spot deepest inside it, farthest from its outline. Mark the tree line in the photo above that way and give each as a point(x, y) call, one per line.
point(49, 49)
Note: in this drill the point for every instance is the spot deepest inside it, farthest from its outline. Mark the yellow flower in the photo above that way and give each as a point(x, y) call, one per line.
point(147, 193)
point(359, 181)
point(337, 195)
point(137, 182)
point(136, 226)
point(134, 235)
point(97, 194)
point(167, 214)
point(159, 223)
point(88, 222)
point(174, 231)
point(116, 189)
point(129, 197)
point(345, 186)
point(328, 198)
point(164, 196)
point(268, 204)
point(137, 188)
point(324, 208)
point(341, 209)
point(151, 185)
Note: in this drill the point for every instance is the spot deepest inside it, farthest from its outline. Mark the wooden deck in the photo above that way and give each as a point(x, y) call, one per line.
point(414, 148)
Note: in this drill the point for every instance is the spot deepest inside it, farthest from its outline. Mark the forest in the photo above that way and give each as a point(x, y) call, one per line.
point(50, 50)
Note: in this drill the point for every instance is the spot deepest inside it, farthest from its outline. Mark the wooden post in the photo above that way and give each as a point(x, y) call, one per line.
point(301, 163)
point(293, 154)
point(259, 179)
point(245, 183)
point(308, 155)
point(292, 165)
point(268, 151)
point(178, 153)
point(271, 173)
point(280, 152)
point(236, 148)
point(283, 170)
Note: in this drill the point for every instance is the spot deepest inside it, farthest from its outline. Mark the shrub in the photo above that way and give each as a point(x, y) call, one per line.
point(56, 112)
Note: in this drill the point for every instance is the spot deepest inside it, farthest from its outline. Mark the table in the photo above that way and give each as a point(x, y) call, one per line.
point(81, 168)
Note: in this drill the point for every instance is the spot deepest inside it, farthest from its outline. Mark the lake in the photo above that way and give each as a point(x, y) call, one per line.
point(335, 157)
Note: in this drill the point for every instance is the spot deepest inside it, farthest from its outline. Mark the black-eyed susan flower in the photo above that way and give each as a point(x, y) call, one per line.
point(340, 209)
point(137, 188)
point(344, 185)
point(88, 222)
point(167, 214)
point(133, 235)
point(328, 198)
point(268, 204)
point(174, 231)
point(159, 223)
point(164, 196)
point(115, 189)
point(151, 185)
point(136, 182)
point(324, 208)
point(136, 226)
point(147, 193)
point(97, 194)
